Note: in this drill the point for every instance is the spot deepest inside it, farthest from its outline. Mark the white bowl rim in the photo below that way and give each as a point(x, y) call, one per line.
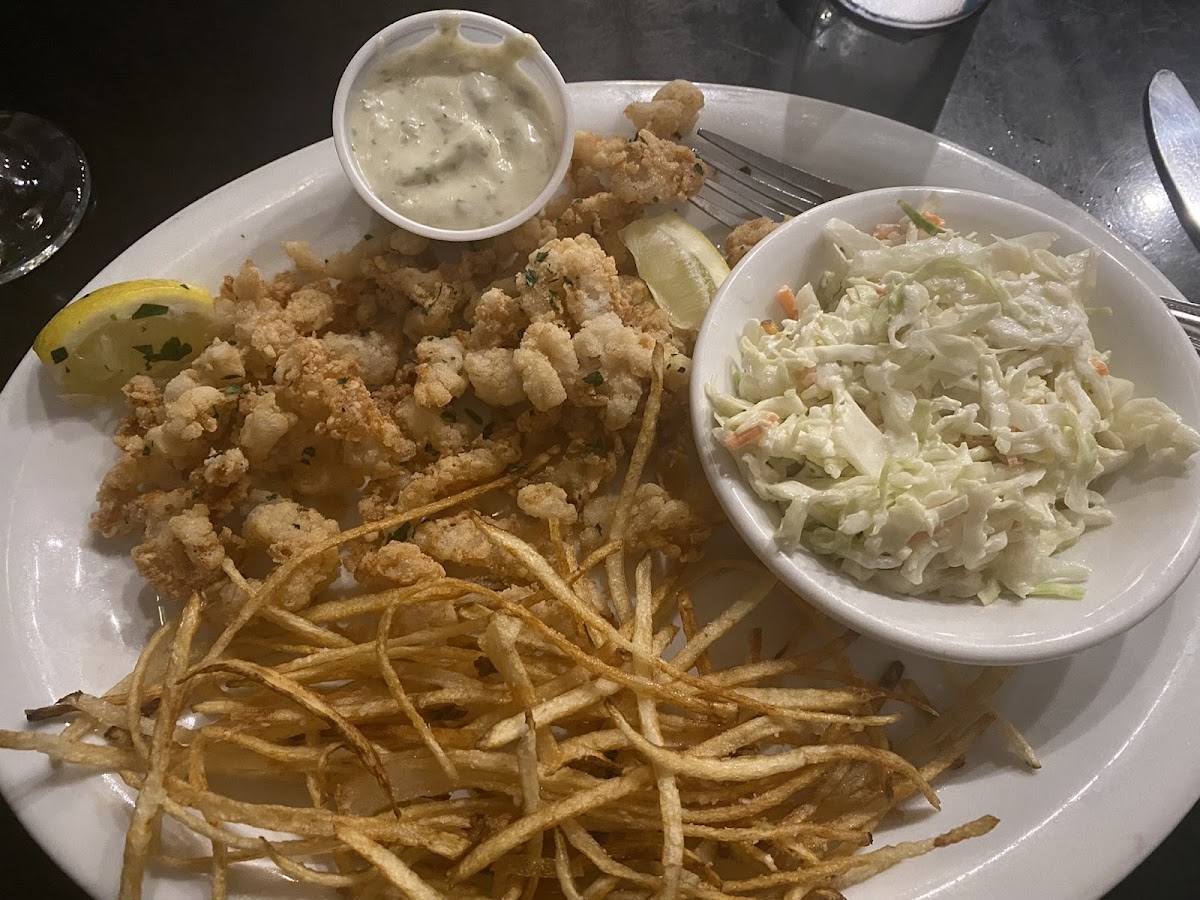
point(429, 20)
point(732, 493)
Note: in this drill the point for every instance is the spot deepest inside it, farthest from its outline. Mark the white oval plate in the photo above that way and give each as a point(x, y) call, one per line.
point(1114, 725)
point(1129, 577)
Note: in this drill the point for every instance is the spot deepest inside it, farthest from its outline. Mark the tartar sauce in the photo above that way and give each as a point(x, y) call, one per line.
point(453, 134)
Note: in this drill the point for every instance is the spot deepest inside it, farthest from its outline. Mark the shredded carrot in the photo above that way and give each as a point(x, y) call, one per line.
point(936, 221)
point(750, 434)
point(1100, 366)
point(769, 327)
point(883, 232)
point(745, 437)
point(787, 300)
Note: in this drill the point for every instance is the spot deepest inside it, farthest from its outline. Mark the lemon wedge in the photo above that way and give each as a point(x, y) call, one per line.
point(679, 264)
point(152, 326)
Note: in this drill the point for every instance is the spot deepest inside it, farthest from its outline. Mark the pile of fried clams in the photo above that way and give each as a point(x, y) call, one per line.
point(351, 388)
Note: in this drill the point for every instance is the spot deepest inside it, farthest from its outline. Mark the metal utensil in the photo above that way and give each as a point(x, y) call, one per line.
point(1175, 126)
point(745, 184)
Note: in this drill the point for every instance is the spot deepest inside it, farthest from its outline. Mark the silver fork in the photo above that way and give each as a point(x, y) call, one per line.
point(745, 184)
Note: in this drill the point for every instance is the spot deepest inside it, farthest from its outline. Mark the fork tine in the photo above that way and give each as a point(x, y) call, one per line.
point(732, 170)
point(1191, 327)
point(789, 175)
point(1193, 335)
point(1182, 309)
point(755, 205)
point(716, 210)
point(1187, 314)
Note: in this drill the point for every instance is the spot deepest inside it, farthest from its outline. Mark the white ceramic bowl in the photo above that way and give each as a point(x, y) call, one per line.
point(478, 28)
point(1136, 563)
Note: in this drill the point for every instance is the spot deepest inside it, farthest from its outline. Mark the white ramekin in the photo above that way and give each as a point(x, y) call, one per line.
point(474, 27)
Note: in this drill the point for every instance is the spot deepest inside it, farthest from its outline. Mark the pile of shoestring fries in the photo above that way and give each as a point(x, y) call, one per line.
point(576, 734)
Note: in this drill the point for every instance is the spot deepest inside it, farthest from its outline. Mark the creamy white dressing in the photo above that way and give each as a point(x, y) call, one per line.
point(452, 133)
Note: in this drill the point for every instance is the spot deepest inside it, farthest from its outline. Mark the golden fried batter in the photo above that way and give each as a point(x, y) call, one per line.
point(745, 236)
point(399, 372)
point(672, 112)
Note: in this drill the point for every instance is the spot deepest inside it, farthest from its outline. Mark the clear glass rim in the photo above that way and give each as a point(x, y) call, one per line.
point(25, 266)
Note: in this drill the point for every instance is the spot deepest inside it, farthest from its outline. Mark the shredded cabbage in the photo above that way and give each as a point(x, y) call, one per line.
point(936, 412)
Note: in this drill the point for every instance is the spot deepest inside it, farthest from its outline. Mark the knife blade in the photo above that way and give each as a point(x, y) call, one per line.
point(1175, 125)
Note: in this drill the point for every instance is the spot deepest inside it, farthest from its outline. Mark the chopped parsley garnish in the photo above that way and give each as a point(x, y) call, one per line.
point(448, 416)
point(654, 199)
point(342, 380)
point(367, 237)
point(699, 168)
point(231, 377)
point(474, 416)
point(309, 452)
point(745, 170)
point(488, 429)
point(145, 451)
point(531, 277)
point(541, 256)
point(232, 389)
point(431, 450)
point(596, 448)
point(402, 533)
point(173, 350)
point(146, 310)
point(595, 379)
point(59, 354)
point(515, 468)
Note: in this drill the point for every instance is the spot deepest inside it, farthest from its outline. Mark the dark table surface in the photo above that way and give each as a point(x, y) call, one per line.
point(170, 101)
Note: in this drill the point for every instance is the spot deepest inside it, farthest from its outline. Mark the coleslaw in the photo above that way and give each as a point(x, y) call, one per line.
point(933, 413)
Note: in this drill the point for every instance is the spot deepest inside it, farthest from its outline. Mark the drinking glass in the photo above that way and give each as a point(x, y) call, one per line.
point(44, 190)
point(916, 15)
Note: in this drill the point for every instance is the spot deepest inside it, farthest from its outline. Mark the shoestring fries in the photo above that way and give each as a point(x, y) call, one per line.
point(573, 733)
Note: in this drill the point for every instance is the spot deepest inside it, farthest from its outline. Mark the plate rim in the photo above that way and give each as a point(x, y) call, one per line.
point(1141, 829)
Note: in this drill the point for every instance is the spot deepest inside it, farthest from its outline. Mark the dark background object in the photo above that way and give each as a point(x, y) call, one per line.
point(170, 101)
